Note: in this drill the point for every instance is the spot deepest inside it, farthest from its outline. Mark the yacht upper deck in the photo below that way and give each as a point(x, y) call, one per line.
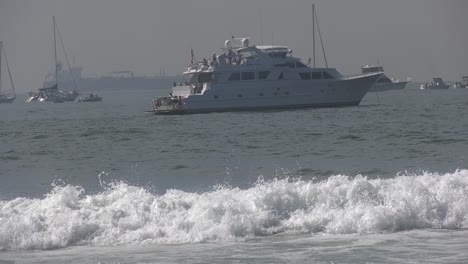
point(239, 55)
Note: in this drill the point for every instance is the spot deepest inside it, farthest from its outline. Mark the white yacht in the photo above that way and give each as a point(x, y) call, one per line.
point(383, 83)
point(249, 77)
point(437, 84)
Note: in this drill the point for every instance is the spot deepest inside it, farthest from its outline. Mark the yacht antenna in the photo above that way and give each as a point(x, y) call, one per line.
point(66, 57)
point(313, 34)
point(261, 27)
point(192, 57)
point(321, 40)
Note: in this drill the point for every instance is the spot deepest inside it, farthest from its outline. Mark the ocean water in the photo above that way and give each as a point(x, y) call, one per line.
point(385, 182)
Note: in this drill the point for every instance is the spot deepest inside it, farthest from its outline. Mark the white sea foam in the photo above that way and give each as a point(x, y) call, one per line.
point(125, 214)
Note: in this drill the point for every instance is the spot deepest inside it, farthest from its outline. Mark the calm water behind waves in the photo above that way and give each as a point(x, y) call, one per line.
point(203, 158)
point(409, 130)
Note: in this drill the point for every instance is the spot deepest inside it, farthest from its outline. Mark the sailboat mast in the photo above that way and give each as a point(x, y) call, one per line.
point(321, 40)
point(55, 53)
point(66, 57)
point(313, 33)
point(8, 68)
point(1, 50)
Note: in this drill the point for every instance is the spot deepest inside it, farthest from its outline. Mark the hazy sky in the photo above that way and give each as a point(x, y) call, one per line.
point(418, 38)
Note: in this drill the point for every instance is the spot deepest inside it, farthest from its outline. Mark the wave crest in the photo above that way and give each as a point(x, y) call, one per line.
point(124, 214)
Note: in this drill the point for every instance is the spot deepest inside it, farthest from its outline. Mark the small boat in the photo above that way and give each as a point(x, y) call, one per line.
point(6, 96)
point(384, 83)
point(251, 77)
point(90, 98)
point(52, 93)
point(463, 83)
point(32, 97)
point(437, 84)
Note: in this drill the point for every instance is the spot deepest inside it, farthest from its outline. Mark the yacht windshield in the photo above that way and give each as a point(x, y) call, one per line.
point(248, 54)
point(276, 52)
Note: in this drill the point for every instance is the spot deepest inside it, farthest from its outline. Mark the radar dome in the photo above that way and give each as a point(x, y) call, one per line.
point(245, 43)
point(227, 44)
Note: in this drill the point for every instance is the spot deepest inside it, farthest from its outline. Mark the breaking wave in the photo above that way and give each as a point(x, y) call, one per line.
point(124, 214)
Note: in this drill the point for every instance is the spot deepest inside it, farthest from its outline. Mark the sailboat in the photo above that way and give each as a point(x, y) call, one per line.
point(6, 96)
point(52, 93)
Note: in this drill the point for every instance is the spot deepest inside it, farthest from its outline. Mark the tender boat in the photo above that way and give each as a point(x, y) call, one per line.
point(90, 98)
point(437, 84)
point(249, 77)
point(383, 83)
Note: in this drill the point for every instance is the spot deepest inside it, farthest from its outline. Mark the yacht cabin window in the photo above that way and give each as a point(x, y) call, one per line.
point(263, 75)
point(205, 77)
point(326, 75)
point(305, 75)
point(235, 76)
point(248, 76)
point(316, 75)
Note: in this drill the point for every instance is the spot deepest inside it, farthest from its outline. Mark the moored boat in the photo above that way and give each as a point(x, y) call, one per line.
point(6, 96)
point(383, 83)
point(437, 84)
point(250, 77)
point(52, 93)
point(463, 83)
point(262, 77)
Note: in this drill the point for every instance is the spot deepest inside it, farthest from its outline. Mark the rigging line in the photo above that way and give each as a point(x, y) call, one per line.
point(55, 53)
point(313, 34)
point(321, 40)
point(261, 27)
point(9, 72)
point(66, 57)
point(377, 95)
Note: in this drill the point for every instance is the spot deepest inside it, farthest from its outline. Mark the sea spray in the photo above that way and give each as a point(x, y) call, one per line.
point(125, 214)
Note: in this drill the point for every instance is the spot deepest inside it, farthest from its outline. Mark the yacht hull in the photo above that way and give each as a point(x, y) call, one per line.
point(221, 97)
point(239, 109)
point(437, 87)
